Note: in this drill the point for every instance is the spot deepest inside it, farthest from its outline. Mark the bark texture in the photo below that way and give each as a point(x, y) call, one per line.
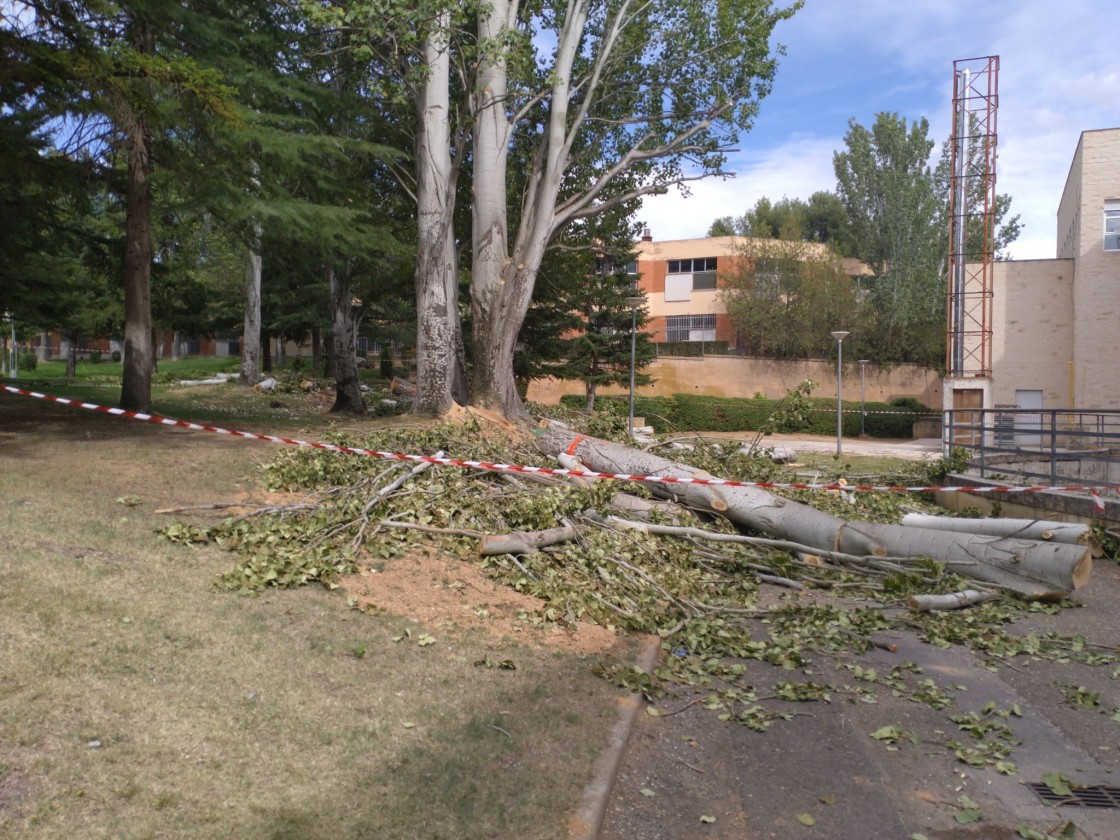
point(347, 388)
point(251, 334)
point(1071, 533)
point(139, 356)
point(1028, 568)
point(440, 361)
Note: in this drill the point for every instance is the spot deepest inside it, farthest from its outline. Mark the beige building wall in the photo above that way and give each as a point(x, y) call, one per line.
point(1093, 180)
point(738, 376)
point(1032, 304)
point(1057, 322)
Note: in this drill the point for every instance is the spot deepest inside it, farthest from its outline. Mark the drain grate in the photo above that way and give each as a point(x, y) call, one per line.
point(1090, 796)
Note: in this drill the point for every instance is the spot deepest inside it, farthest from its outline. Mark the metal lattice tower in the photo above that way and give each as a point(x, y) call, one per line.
point(972, 205)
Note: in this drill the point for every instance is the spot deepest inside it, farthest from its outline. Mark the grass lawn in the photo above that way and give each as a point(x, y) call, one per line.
point(138, 701)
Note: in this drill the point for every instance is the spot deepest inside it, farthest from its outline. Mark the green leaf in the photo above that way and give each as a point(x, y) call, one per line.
point(1007, 768)
point(1058, 783)
point(646, 792)
point(704, 818)
point(966, 817)
point(806, 819)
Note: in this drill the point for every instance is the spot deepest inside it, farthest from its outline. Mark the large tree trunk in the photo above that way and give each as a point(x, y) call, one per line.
point(1029, 568)
point(72, 355)
point(347, 390)
point(440, 370)
point(1030, 529)
point(491, 277)
point(136, 381)
point(502, 277)
point(251, 333)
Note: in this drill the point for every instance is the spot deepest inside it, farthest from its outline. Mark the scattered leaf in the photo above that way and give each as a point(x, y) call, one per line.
point(1059, 783)
point(966, 817)
point(704, 818)
point(806, 819)
point(646, 792)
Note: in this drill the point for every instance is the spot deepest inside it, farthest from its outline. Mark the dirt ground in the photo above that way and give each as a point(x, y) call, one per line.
point(442, 590)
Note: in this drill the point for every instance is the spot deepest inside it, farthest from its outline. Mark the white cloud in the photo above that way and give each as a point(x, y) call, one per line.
point(796, 169)
point(1057, 79)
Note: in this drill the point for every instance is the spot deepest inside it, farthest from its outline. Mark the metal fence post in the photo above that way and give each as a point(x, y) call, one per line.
point(1053, 448)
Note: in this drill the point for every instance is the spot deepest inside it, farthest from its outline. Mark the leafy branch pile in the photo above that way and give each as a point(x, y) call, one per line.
point(716, 597)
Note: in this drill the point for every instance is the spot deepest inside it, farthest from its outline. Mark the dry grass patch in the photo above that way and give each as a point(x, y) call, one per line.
point(137, 701)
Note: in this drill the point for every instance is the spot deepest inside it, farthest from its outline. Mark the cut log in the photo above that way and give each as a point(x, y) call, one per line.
point(524, 542)
point(1070, 533)
point(1028, 568)
point(951, 601)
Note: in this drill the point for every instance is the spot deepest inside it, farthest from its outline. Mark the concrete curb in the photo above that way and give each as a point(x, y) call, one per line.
point(586, 823)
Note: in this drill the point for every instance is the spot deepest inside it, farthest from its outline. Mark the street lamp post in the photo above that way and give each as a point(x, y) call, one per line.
point(839, 335)
point(633, 302)
point(862, 410)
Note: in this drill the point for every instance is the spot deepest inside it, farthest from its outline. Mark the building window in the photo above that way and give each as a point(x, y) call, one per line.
point(1112, 225)
point(686, 276)
point(690, 328)
point(692, 266)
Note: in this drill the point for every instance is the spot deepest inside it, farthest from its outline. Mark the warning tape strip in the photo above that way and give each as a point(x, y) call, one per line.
point(517, 468)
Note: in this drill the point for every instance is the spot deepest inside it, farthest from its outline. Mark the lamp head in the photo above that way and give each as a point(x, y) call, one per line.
point(840, 335)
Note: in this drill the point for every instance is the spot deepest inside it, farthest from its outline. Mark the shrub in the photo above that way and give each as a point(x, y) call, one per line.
point(896, 419)
point(28, 361)
point(386, 362)
point(692, 348)
point(297, 364)
point(794, 413)
point(94, 357)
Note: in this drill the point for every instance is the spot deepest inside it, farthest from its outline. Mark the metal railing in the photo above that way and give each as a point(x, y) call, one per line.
point(1055, 446)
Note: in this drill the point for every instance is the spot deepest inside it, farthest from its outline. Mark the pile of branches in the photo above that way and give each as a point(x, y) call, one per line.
point(609, 552)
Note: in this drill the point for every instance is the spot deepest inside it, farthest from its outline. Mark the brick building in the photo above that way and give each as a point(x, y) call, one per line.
point(681, 281)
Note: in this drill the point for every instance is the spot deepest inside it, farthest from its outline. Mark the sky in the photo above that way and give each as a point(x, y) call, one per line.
point(1059, 75)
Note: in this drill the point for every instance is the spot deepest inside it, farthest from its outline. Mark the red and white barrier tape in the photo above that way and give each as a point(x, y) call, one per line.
point(516, 468)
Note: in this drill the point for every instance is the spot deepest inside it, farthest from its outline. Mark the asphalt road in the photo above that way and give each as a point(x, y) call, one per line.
point(823, 767)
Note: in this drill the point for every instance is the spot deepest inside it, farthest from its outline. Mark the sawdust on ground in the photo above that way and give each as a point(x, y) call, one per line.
point(436, 588)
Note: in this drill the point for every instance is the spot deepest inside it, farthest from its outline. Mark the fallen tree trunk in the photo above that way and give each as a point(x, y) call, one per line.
point(1070, 533)
point(1028, 568)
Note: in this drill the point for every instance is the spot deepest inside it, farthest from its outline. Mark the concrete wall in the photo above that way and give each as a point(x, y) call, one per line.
point(1032, 340)
point(735, 376)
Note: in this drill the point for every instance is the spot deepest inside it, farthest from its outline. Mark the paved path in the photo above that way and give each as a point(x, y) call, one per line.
point(824, 764)
point(911, 449)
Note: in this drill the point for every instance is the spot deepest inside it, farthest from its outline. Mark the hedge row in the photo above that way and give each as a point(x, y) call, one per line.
point(691, 413)
point(692, 348)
